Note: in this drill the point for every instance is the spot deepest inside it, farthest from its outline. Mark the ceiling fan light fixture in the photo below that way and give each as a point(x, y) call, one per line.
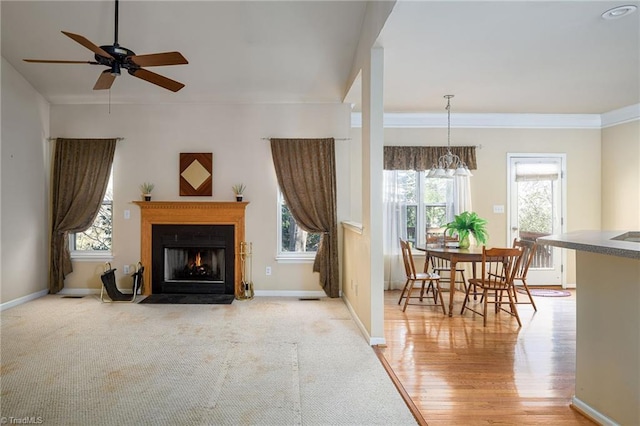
point(619, 12)
point(116, 57)
point(115, 69)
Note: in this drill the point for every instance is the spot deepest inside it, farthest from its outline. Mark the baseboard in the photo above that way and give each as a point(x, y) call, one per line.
point(373, 341)
point(290, 293)
point(78, 291)
point(377, 341)
point(23, 299)
point(591, 414)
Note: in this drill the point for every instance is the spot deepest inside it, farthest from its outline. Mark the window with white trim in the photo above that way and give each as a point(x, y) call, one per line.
point(294, 243)
point(96, 241)
point(427, 203)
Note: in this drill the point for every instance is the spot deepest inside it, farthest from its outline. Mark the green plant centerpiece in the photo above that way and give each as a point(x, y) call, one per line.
point(465, 224)
point(238, 189)
point(146, 189)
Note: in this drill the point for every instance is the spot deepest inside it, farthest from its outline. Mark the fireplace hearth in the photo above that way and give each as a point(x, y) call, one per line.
point(195, 259)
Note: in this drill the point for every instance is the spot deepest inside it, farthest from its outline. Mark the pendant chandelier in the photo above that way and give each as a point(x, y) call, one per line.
point(449, 165)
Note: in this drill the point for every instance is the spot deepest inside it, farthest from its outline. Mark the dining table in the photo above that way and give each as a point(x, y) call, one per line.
point(454, 255)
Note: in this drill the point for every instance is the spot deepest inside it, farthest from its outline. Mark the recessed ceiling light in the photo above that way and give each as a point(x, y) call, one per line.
point(619, 12)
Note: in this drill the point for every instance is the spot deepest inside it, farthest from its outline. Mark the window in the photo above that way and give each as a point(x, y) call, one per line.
point(427, 204)
point(294, 243)
point(96, 241)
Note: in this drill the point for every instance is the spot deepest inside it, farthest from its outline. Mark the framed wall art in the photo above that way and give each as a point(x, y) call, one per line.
point(196, 174)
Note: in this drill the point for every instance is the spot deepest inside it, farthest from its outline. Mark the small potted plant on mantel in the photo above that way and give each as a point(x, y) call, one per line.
point(146, 189)
point(238, 190)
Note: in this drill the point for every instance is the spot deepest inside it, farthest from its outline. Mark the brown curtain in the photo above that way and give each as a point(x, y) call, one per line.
point(306, 173)
point(81, 170)
point(424, 157)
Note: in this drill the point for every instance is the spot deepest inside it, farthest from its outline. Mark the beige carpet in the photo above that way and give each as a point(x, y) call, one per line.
point(268, 361)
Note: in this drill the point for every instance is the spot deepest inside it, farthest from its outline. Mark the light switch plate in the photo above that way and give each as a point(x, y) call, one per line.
point(127, 214)
point(498, 208)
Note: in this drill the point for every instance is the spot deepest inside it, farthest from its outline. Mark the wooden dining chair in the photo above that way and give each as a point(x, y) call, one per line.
point(420, 278)
point(442, 267)
point(499, 266)
point(528, 252)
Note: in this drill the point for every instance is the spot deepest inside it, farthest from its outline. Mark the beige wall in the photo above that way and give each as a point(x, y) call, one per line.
point(155, 135)
point(621, 177)
point(356, 278)
point(608, 341)
point(24, 188)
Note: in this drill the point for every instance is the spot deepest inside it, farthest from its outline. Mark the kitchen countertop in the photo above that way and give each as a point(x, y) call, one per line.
point(597, 242)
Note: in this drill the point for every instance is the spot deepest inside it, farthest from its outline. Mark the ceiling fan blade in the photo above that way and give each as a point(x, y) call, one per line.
point(86, 43)
point(105, 80)
point(159, 59)
point(157, 79)
point(51, 61)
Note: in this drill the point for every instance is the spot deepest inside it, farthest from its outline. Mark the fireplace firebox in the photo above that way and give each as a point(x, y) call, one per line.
point(196, 259)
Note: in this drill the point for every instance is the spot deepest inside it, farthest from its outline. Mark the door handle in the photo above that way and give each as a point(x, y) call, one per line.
point(514, 228)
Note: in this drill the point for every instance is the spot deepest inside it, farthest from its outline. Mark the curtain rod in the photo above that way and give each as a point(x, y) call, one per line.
point(118, 139)
point(348, 139)
point(336, 139)
point(479, 146)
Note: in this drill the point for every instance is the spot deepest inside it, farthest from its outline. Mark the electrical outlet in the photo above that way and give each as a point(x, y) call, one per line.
point(268, 270)
point(125, 269)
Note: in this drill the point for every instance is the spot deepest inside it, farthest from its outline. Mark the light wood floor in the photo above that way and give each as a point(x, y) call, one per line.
point(459, 373)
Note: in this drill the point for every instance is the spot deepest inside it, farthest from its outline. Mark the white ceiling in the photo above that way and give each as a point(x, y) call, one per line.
point(501, 57)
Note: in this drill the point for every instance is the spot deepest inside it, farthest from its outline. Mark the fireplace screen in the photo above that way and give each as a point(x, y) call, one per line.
point(194, 264)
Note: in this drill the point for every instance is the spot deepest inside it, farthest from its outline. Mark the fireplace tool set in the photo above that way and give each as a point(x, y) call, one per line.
point(246, 285)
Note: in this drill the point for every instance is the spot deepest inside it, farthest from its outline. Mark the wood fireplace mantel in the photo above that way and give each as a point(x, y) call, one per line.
point(189, 213)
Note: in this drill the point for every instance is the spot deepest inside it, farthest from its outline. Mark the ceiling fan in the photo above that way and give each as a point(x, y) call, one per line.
point(117, 57)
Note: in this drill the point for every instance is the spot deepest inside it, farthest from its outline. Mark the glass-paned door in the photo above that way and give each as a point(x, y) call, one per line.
point(536, 185)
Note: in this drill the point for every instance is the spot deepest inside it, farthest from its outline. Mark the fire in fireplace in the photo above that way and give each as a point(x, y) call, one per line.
point(193, 264)
point(193, 259)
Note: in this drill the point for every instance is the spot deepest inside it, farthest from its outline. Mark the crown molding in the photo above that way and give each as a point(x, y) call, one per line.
point(620, 116)
point(506, 121)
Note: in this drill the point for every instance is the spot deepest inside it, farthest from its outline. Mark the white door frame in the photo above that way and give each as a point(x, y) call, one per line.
point(563, 201)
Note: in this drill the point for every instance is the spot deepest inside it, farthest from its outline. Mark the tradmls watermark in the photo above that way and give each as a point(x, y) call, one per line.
point(26, 420)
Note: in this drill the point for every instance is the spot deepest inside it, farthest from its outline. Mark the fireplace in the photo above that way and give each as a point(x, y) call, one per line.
point(193, 259)
point(188, 264)
point(212, 229)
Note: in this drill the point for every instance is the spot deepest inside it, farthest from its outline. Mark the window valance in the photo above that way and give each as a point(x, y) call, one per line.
point(424, 157)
